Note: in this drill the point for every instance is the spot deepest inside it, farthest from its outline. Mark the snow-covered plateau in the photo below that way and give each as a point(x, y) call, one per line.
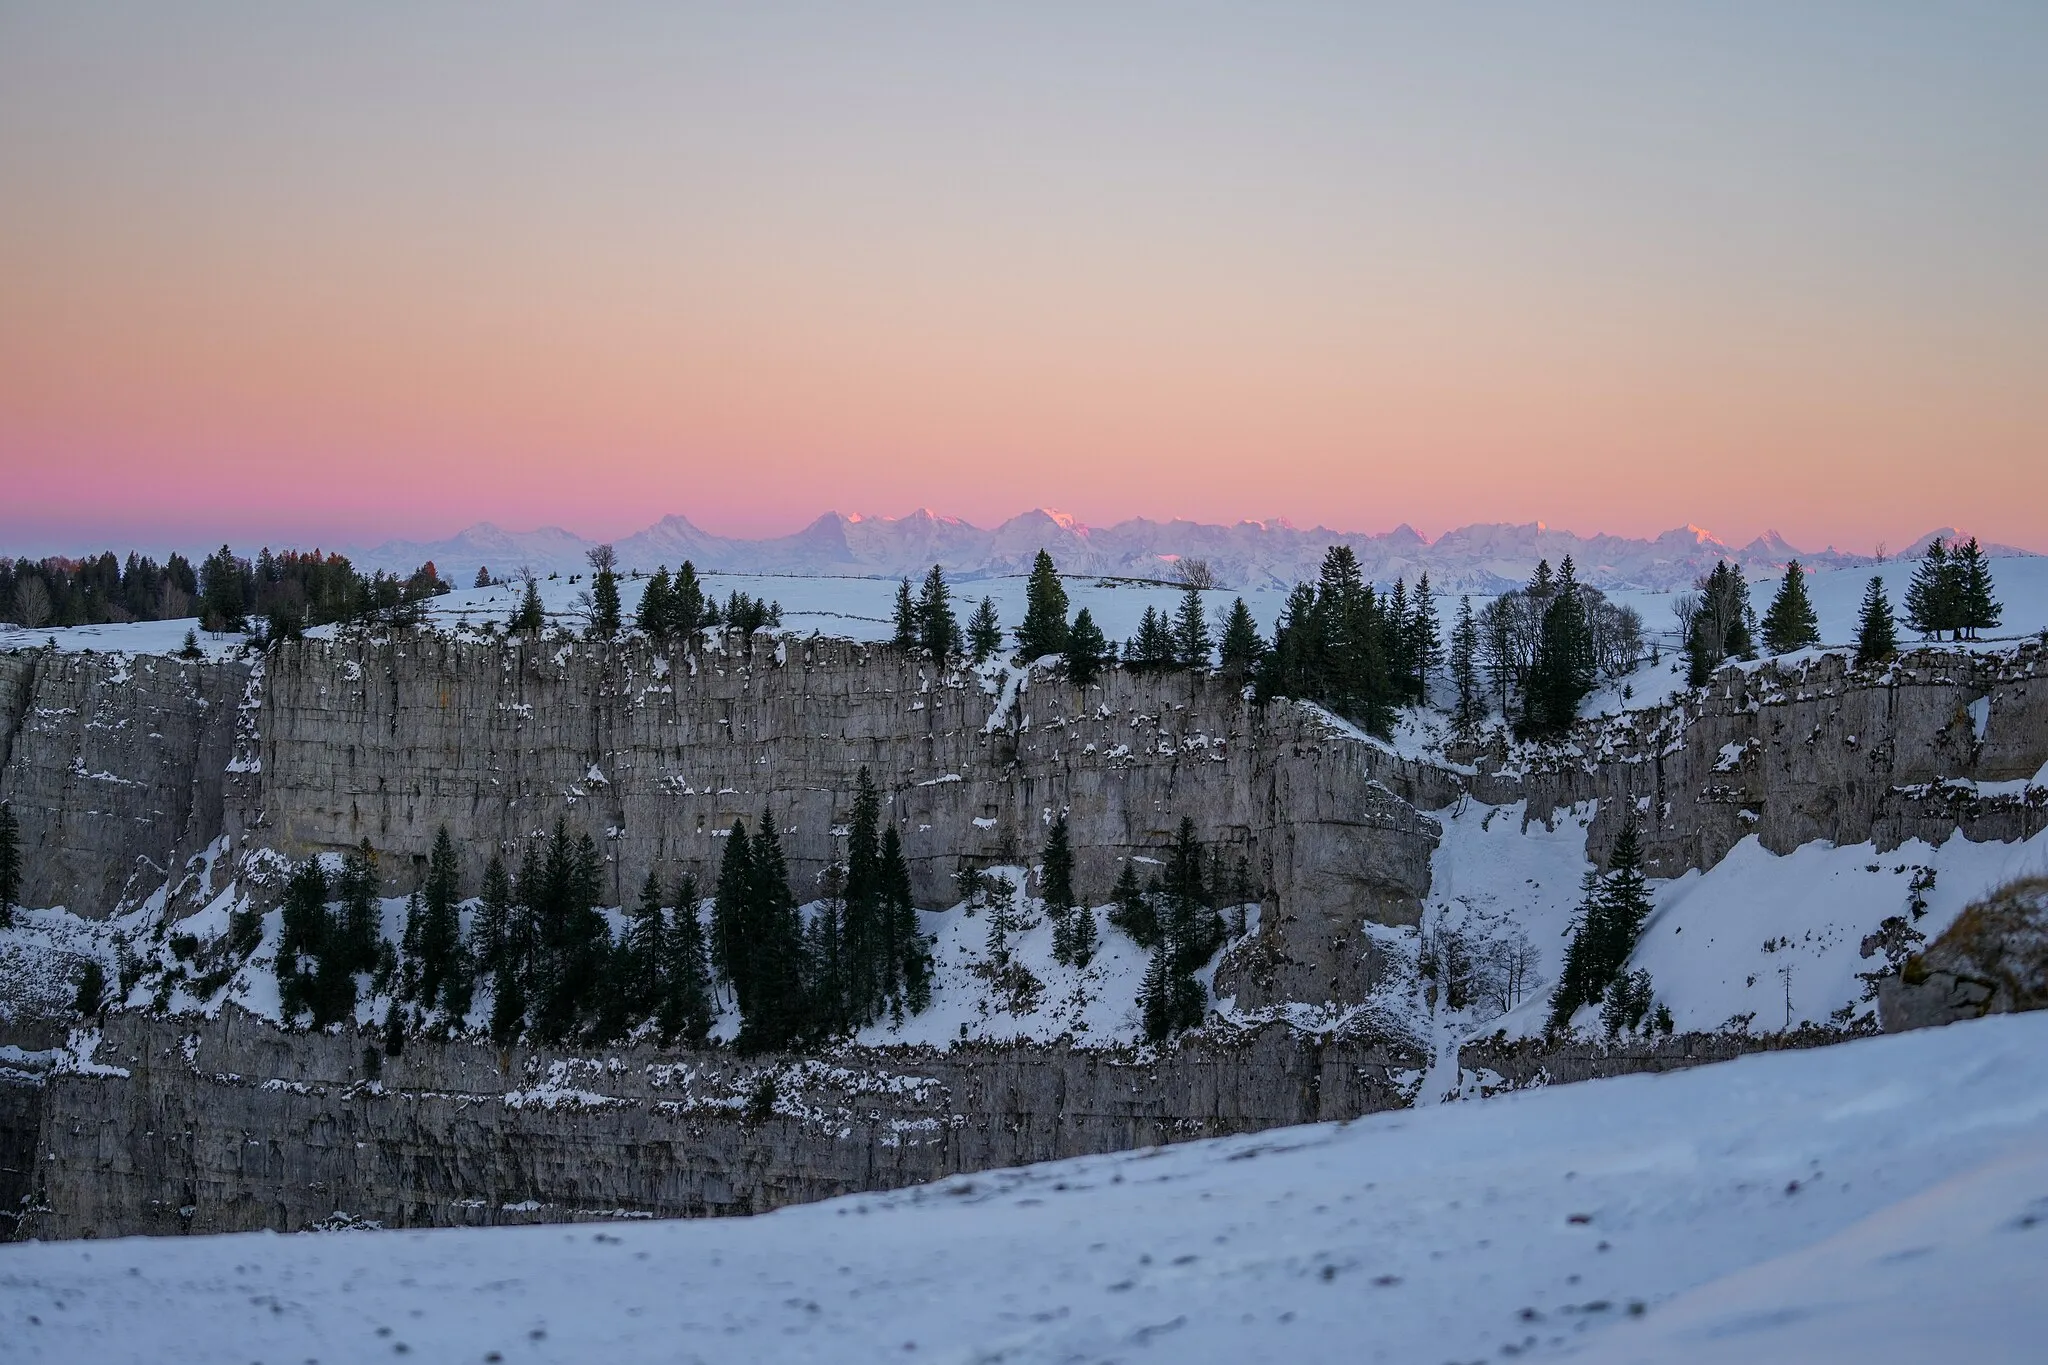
point(1882, 1200)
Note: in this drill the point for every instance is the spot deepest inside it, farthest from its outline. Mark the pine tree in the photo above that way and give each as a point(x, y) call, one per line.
point(1152, 650)
point(305, 934)
point(1976, 608)
point(493, 917)
point(690, 613)
point(1563, 672)
point(1425, 647)
point(92, 989)
point(1791, 624)
point(1045, 612)
point(1877, 636)
point(656, 614)
point(1131, 909)
point(730, 914)
point(1242, 645)
point(443, 974)
point(1722, 626)
point(360, 928)
point(908, 634)
point(1470, 707)
point(775, 1016)
point(1573, 980)
point(483, 577)
point(1191, 641)
point(604, 592)
point(1931, 598)
point(685, 1011)
point(984, 632)
point(1191, 924)
point(1082, 937)
point(865, 929)
point(529, 618)
point(938, 631)
point(1086, 650)
point(1057, 876)
point(10, 864)
point(909, 955)
point(646, 958)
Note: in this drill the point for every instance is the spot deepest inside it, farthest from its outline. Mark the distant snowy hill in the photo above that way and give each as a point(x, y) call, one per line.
point(1482, 558)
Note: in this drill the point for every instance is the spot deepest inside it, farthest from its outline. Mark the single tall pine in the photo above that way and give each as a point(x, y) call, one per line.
point(938, 631)
point(1877, 636)
point(1086, 650)
point(1790, 623)
point(908, 635)
point(984, 632)
point(1191, 631)
point(604, 592)
point(1045, 612)
point(1242, 645)
point(1976, 608)
point(1470, 706)
point(655, 616)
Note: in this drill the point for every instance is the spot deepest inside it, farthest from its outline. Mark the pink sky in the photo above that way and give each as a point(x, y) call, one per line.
point(292, 280)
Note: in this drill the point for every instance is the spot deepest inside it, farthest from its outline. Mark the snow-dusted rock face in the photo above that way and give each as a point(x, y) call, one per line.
point(1992, 960)
point(1811, 749)
point(227, 1124)
point(117, 768)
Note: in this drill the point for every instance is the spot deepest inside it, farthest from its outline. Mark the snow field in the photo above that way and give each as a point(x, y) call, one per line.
point(1868, 1201)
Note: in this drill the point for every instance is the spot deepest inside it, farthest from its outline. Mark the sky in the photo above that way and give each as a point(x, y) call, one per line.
point(339, 273)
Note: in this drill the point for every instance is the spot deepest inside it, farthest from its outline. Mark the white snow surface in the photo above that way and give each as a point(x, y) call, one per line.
point(1882, 1200)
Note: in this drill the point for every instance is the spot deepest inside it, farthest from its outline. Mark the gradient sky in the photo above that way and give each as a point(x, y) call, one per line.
point(342, 272)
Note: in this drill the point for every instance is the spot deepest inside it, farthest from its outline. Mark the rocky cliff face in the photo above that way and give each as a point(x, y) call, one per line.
point(123, 770)
point(229, 1124)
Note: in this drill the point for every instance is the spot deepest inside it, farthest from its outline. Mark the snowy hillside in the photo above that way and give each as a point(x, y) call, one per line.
point(1884, 1200)
point(1483, 558)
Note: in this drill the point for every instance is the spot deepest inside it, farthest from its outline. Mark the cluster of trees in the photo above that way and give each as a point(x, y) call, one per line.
point(1538, 650)
point(288, 591)
point(1951, 591)
point(1715, 622)
point(1610, 918)
point(860, 957)
point(1356, 651)
point(1177, 918)
point(1074, 936)
point(95, 590)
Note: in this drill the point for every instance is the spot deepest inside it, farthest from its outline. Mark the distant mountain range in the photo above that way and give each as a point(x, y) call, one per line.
point(1481, 558)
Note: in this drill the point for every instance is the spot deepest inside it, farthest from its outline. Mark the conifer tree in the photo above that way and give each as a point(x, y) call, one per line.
point(1611, 921)
point(690, 613)
point(1470, 705)
point(910, 956)
point(1044, 630)
point(1791, 624)
point(1877, 636)
point(775, 1015)
point(360, 926)
point(305, 933)
point(529, 618)
point(1242, 645)
point(1152, 649)
point(1425, 648)
point(1931, 598)
point(1082, 937)
point(1722, 626)
point(92, 989)
point(1057, 875)
point(865, 928)
point(604, 592)
point(483, 577)
point(1401, 645)
point(938, 631)
point(656, 614)
point(1191, 641)
point(645, 960)
point(1572, 980)
point(685, 1011)
point(10, 864)
point(730, 914)
point(1086, 650)
point(443, 974)
point(1563, 672)
point(1976, 608)
point(908, 635)
point(1131, 909)
point(493, 917)
point(984, 632)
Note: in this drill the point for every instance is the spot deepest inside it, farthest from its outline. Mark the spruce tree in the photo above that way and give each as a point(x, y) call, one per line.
point(984, 632)
point(1044, 630)
point(92, 989)
point(604, 592)
point(646, 957)
point(1152, 650)
point(775, 1016)
point(493, 917)
point(1791, 624)
point(1425, 646)
point(866, 928)
point(10, 864)
point(909, 956)
point(442, 971)
point(1722, 625)
point(529, 618)
point(656, 614)
point(1242, 645)
point(1931, 597)
point(908, 633)
point(1470, 705)
point(938, 631)
point(685, 1012)
point(1086, 650)
point(730, 915)
point(360, 928)
point(1976, 608)
point(1563, 672)
point(1191, 641)
point(1877, 636)
point(1082, 937)
point(1057, 875)
point(305, 934)
point(1131, 909)
point(690, 613)
point(1572, 980)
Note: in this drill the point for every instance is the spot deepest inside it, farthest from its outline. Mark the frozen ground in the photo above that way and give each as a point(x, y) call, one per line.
point(1885, 1200)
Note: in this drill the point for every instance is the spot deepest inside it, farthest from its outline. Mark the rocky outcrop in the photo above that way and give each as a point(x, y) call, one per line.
point(219, 1125)
point(1992, 960)
point(116, 768)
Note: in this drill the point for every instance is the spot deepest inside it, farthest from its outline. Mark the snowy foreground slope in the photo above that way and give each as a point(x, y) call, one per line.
point(1881, 1200)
